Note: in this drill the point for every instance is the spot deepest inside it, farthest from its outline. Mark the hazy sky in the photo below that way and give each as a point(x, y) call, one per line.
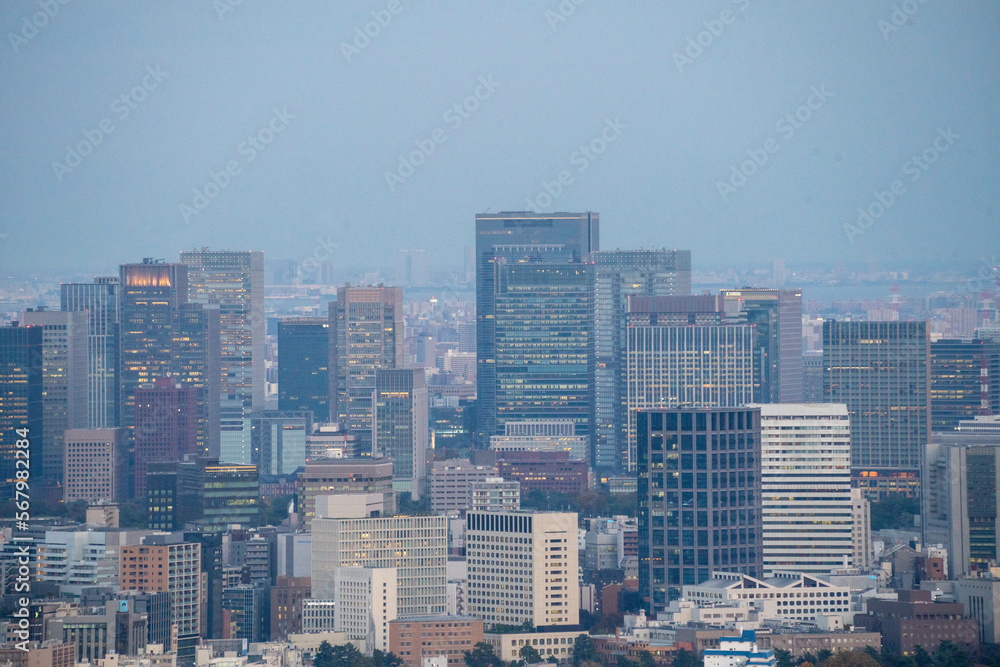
point(665, 98)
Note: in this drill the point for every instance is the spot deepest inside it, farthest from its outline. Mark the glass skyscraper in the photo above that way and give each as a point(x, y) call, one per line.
point(100, 299)
point(965, 381)
point(401, 428)
point(621, 273)
point(304, 365)
point(20, 398)
point(535, 318)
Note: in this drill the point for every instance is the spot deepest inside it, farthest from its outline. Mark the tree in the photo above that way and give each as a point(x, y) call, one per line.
point(347, 655)
point(530, 655)
point(685, 658)
point(894, 511)
point(482, 655)
point(823, 655)
point(951, 655)
point(783, 658)
point(584, 650)
point(626, 662)
point(386, 659)
point(324, 655)
point(850, 659)
point(646, 659)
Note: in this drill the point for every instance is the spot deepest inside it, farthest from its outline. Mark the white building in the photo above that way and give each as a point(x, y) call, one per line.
point(739, 651)
point(346, 535)
point(451, 484)
point(806, 487)
point(541, 435)
point(318, 615)
point(861, 534)
point(493, 494)
point(294, 554)
point(791, 596)
point(365, 600)
point(523, 566)
point(78, 559)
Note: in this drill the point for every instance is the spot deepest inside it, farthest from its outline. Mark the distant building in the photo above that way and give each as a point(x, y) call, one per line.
point(791, 596)
point(96, 465)
point(739, 651)
point(166, 428)
point(100, 300)
point(913, 620)
point(248, 611)
point(545, 471)
point(278, 440)
point(21, 386)
point(343, 476)
point(400, 431)
point(538, 553)
point(812, 376)
point(451, 484)
point(286, 606)
point(318, 615)
point(202, 492)
point(493, 494)
point(965, 381)
point(413, 639)
point(304, 365)
point(550, 643)
point(196, 363)
point(861, 533)
point(541, 435)
point(366, 599)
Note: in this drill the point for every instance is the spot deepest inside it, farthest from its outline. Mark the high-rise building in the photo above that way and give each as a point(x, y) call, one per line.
point(233, 281)
point(165, 426)
point(165, 563)
point(304, 365)
point(777, 316)
point(202, 493)
point(415, 546)
point(806, 488)
point(343, 477)
point(412, 269)
point(959, 499)
point(286, 606)
point(366, 333)
point(699, 498)
point(100, 300)
point(621, 273)
point(64, 383)
point(278, 440)
point(95, 465)
point(861, 536)
point(20, 399)
point(812, 376)
point(401, 428)
point(248, 606)
point(195, 363)
point(533, 271)
point(523, 566)
point(451, 483)
point(965, 381)
point(149, 295)
point(211, 569)
point(541, 435)
point(881, 370)
point(366, 601)
point(683, 351)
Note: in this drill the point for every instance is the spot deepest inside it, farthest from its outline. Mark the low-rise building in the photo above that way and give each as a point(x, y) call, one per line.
point(800, 643)
point(914, 620)
point(414, 639)
point(788, 596)
point(739, 652)
point(451, 484)
point(557, 644)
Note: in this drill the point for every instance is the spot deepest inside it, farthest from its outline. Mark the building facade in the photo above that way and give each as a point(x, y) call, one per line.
point(161, 564)
point(342, 477)
point(541, 435)
point(413, 639)
point(304, 365)
point(278, 440)
point(166, 426)
point(965, 381)
point(21, 391)
point(195, 363)
point(100, 300)
point(96, 465)
point(401, 429)
point(366, 601)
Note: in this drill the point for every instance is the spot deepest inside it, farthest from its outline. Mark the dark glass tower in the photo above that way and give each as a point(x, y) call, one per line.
point(621, 273)
point(965, 381)
point(20, 399)
point(100, 299)
point(514, 254)
point(881, 371)
point(699, 498)
point(304, 365)
point(196, 364)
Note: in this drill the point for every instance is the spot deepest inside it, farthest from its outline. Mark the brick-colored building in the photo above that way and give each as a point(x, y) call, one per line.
point(412, 639)
point(913, 620)
point(547, 471)
point(51, 653)
point(175, 567)
point(286, 606)
point(800, 643)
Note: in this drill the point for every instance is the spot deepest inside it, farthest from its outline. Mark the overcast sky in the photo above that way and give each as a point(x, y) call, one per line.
point(115, 113)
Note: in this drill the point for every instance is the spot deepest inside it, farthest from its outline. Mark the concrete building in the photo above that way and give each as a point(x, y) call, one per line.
point(51, 653)
point(542, 435)
point(546, 471)
point(739, 651)
point(318, 615)
point(401, 430)
point(112, 629)
point(85, 557)
point(451, 484)
point(100, 300)
point(414, 639)
point(341, 477)
point(163, 563)
point(366, 601)
point(286, 606)
point(552, 643)
point(806, 487)
point(95, 465)
point(801, 643)
point(913, 620)
point(790, 596)
point(346, 535)
point(861, 530)
point(65, 378)
point(523, 566)
point(980, 596)
point(495, 495)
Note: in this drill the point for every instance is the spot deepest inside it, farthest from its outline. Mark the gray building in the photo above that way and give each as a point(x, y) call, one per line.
point(195, 362)
point(100, 300)
point(451, 484)
point(278, 440)
point(699, 498)
point(401, 428)
point(621, 273)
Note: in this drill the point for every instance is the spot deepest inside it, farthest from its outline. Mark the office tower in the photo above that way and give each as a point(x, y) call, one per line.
point(467, 337)
point(416, 546)
point(541, 435)
point(96, 465)
point(233, 281)
point(621, 273)
point(164, 563)
point(401, 429)
point(881, 370)
point(494, 494)
point(286, 606)
point(412, 268)
point(699, 498)
point(304, 365)
point(156, 607)
point(965, 381)
point(64, 384)
point(366, 600)
point(366, 332)
point(166, 417)
point(777, 316)
point(248, 607)
point(278, 440)
point(544, 471)
point(329, 441)
point(203, 493)
point(812, 376)
point(959, 499)
point(537, 554)
point(684, 351)
point(149, 295)
point(343, 477)
point(211, 569)
point(20, 398)
point(100, 300)
point(806, 487)
point(861, 536)
point(195, 363)
point(514, 252)
point(108, 630)
point(451, 484)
